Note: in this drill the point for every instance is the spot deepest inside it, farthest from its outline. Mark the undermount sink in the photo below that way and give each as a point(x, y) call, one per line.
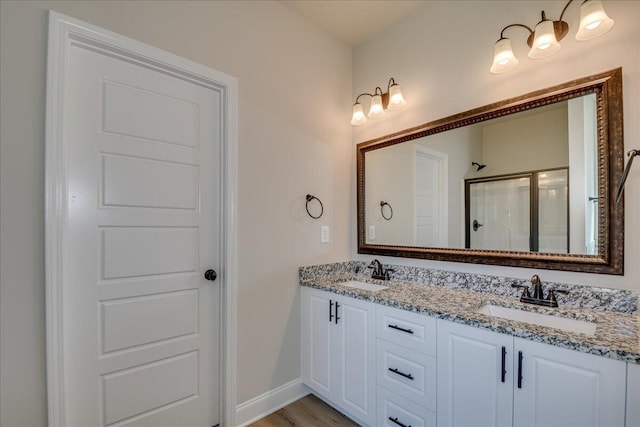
point(363, 285)
point(562, 323)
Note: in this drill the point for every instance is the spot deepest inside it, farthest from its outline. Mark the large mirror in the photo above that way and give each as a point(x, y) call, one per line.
point(523, 182)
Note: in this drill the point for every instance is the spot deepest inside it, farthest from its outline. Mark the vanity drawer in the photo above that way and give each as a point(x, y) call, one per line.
point(396, 411)
point(411, 330)
point(406, 372)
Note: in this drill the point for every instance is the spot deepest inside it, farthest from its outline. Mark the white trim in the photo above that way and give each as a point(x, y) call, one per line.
point(64, 30)
point(230, 259)
point(259, 407)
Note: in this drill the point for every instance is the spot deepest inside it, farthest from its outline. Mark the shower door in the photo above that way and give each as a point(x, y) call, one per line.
point(523, 212)
point(499, 214)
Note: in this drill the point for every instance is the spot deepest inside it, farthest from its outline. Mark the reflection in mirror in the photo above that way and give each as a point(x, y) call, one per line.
point(426, 179)
point(529, 175)
point(520, 213)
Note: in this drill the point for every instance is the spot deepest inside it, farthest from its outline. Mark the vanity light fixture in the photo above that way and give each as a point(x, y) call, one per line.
point(392, 99)
point(543, 39)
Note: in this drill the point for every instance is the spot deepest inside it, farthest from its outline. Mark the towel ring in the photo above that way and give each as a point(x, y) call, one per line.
point(631, 154)
point(310, 198)
point(382, 205)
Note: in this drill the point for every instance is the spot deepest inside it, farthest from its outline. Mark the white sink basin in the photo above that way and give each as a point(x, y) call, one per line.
point(562, 323)
point(363, 285)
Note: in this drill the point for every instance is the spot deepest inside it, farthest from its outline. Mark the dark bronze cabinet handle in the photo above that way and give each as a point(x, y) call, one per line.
point(330, 311)
point(395, 421)
point(520, 369)
point(337, 318)
point(408, 331)
point(504, 357)
point(402, 374)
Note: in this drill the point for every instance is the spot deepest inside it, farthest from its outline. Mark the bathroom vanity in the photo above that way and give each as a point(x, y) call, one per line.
point(437, 348)
point(408, 353)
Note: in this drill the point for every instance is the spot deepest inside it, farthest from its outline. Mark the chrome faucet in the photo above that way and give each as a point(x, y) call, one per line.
point(538, 293)
point(378, 271)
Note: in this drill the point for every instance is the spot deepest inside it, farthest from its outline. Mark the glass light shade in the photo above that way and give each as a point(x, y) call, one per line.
point(544, 41)
point(396, 100)
point(503, 58)
point(358, 117)
point(376, 110)
point(594, 21)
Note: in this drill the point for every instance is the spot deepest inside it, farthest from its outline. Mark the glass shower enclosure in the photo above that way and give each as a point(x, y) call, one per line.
point(518, 212)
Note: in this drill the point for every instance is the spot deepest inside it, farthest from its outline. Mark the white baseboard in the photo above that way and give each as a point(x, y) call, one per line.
point(269, 402)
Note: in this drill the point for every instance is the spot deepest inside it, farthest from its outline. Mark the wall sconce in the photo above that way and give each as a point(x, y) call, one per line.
point(392, 99)
point(543, 40)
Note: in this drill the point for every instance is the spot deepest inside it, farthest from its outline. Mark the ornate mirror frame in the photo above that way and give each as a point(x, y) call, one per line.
point(610, 258)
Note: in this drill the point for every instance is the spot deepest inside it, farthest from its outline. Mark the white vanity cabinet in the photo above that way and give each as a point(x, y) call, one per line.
point(338, 351)
point(565, 388)
point(475, 377)
point(406, 368)
point(543, 386)
point(633, 394)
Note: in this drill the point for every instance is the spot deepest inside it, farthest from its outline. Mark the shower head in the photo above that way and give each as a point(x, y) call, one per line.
point(478, 166)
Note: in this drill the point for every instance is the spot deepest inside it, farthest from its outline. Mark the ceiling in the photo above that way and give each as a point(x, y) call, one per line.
point(353, 21)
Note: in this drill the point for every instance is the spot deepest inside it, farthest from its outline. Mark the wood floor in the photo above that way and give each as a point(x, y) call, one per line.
point(306, 412)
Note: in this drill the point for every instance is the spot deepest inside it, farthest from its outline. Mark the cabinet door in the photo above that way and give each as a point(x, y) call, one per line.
point(472, 389)
point(411, 330)
point(354, 352)
point(565, 388)
point(633, 394)
point(397, 411)
point(316, 340)
point(408, 373)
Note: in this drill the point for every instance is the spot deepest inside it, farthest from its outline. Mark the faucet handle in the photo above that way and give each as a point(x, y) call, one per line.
point(387, 276)
point(551, 296)
point(525, 289)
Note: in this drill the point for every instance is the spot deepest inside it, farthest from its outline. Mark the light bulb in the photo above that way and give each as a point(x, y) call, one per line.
point(376, 110)
point(544, 41)
point(503, 58)
point(594, 21)
point(396, 100)
point(358, 117)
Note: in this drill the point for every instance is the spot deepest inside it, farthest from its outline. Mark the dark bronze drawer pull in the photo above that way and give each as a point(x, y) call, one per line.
point(395, 371)
point(408, 331)
point(395, 420)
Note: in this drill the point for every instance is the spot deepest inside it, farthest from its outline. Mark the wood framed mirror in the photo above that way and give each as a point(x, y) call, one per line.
point(527, 182)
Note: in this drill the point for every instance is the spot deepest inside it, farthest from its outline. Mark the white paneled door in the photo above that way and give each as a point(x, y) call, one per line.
point(141, 324)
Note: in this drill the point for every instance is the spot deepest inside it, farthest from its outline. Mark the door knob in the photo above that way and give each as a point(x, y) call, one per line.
point(210, 275)
point(476, 225)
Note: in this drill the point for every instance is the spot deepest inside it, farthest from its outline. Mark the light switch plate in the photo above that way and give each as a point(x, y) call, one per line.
point(324, 234)
point(372, 232)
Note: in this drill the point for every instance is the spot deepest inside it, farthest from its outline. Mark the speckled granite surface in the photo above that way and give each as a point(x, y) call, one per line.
point(456, 297)
point(601, 299)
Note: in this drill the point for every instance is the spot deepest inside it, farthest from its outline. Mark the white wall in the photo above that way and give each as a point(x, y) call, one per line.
point(294, 139)
point(391, 171)
point(533, 142)
point(392, 180)
point(441, 55)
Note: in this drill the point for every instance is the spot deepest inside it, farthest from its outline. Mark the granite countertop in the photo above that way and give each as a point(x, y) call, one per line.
point(617, 334)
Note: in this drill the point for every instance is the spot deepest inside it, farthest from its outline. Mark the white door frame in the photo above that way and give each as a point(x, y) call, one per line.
point(63, 30)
